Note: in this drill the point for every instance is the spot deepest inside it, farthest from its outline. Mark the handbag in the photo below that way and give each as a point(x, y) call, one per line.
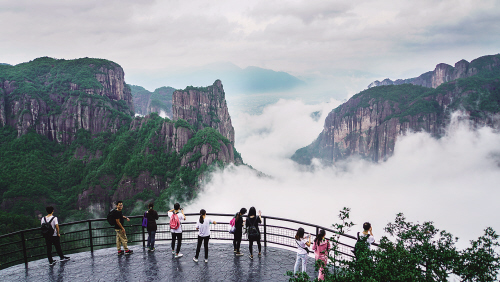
point(231, 229)
point(145, 220)
point(306, 248)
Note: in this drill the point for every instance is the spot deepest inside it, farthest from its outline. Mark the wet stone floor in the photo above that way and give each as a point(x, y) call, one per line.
point(106, 265)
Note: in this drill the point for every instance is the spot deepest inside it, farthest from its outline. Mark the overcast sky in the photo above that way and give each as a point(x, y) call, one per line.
point(305, 38)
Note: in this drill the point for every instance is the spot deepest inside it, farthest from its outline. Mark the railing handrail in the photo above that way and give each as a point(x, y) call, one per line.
point(273, 233)
point(187, 214)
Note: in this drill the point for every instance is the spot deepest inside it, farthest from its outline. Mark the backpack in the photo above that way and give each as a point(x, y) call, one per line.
point(232, 224)
point(174, 222)
point(361, 244)
point(47, 229)
point(145, 220)
point(253, 232)
point(111, 217)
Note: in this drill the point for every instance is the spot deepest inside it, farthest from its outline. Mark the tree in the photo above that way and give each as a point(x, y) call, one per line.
point(417, 252)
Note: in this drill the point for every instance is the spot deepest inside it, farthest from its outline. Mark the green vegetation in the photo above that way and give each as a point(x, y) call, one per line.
point(34, 167)
point(36, 172)
point(202, 89)
point(48, 80)
point(418, 252)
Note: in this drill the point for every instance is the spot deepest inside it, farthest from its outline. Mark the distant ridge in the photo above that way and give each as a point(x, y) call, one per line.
point(445, 73)
point(249, 80)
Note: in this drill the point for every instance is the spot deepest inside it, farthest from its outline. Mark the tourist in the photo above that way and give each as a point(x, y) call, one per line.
point(203, 227)
point(176, 232)
point(321, 247)
point(302, 250)
point(365, 239)
point(52, 235)
point(367, 232)
point(238, 231)
point(253, 232)
point(121, 236)
point(152, 217)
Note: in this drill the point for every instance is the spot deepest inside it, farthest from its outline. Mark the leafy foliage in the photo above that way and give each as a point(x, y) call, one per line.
point(419, 252)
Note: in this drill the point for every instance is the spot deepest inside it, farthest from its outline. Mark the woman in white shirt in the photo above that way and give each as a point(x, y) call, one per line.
point(301, 250)
point(203, 227)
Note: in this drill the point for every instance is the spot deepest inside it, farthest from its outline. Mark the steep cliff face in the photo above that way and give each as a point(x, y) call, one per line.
point(56, 98)
point(191, 143)
point(444, 73)
point(369, 124)
point(101, 153)
point(204, 107)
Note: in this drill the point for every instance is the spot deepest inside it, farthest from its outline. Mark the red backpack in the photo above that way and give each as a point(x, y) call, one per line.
point(174, 222)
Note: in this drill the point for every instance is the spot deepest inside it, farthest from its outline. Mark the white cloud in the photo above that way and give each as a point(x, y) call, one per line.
point(452, 181)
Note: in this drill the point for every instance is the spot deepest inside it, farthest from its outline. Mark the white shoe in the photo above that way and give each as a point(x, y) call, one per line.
point(206, 260)
point(178, 255)
point(195, 259)
point(173, 252)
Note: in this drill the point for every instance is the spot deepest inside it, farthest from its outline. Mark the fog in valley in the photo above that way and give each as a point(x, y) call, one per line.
point(452, 181)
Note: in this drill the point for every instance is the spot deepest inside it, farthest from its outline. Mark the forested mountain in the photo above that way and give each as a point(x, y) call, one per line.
point(69, 138)
point(369, 123)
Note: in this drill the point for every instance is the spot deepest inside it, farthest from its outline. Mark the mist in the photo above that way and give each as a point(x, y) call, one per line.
point(451, 181)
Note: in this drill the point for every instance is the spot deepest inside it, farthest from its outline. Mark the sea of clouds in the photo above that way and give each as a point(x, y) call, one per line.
point(452, 181)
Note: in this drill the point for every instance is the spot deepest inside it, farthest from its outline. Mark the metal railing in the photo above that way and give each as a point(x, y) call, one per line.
point(89, 235)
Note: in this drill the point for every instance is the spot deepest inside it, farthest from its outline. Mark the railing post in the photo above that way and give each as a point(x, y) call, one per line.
point(25, 255)
point(143, 238)
point(90, 237)
point(265, 233)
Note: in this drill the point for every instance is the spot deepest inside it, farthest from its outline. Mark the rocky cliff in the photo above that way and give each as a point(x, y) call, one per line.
point(368, 124)
point(204, 107)
point(444, 73)
point(193, 141)
point(68, 138)
point(56, 98)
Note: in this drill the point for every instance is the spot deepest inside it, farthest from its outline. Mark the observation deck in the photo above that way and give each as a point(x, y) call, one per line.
point(90, 244)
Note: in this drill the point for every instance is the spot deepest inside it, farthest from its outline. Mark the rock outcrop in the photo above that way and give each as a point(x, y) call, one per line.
point(196, 135)
point(204, 107)
point(368, 125)
point(444, 73)
point(59, 109)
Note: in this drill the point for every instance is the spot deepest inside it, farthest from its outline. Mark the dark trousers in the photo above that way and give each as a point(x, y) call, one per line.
point(205, 244)
point(151, 239)
point(250, 246)
point(56, 241)
point(237, 241)
point(178, 237)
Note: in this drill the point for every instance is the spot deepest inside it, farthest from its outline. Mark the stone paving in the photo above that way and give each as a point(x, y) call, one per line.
point(106, 265)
